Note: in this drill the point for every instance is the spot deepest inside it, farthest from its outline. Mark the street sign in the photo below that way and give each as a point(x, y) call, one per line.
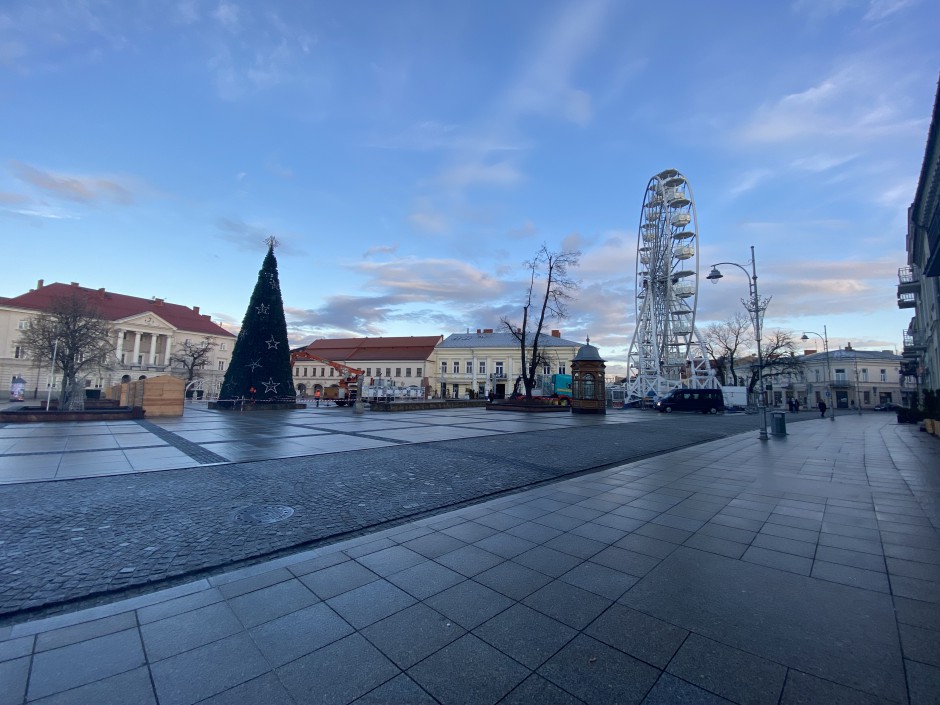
point(828, 394)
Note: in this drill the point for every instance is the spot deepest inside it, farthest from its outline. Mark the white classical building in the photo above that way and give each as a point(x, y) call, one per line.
point(402, 362)
point(147, 332)
point(847, 378)
point(490, 361)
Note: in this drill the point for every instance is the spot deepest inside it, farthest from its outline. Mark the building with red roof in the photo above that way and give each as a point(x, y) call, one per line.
point(147, 332)
point(400, 362)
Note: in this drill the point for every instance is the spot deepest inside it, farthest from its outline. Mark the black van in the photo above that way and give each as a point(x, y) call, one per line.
point(707, 401)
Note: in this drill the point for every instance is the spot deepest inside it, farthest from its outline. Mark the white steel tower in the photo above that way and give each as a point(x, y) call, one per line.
point(666, 351)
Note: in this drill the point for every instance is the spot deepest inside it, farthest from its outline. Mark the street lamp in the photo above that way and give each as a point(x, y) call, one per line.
point(756, 307)
point(825, 337)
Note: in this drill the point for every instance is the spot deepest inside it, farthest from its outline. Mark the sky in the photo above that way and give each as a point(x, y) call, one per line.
point(410, 156)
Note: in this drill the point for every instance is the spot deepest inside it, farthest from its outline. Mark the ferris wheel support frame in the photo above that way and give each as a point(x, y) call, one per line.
point(666, 351)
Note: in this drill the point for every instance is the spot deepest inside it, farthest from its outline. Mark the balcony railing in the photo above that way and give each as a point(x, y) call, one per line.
point(913, 340)
point(906, 300)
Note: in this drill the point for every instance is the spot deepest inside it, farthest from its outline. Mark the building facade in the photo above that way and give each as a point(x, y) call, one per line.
point(393, 362)
point(147, 333)
point(849, 378)
point(919, 281)
point(474, 364)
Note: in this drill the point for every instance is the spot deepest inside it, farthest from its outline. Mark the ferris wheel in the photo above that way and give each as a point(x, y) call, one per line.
point(666, 352)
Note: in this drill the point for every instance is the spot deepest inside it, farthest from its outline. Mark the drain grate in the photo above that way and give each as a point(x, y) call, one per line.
point(262, 514)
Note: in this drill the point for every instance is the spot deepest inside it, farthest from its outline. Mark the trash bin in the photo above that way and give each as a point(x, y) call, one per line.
point(778, 423)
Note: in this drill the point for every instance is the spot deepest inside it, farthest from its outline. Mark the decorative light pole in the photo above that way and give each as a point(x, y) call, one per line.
point(756, 307)
point(825, 337)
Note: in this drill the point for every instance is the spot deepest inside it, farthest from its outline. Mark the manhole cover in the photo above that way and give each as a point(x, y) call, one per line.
point(262, 514)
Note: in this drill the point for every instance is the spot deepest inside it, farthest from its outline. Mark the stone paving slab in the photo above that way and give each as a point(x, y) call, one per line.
point(648, 613)
point(134, 530)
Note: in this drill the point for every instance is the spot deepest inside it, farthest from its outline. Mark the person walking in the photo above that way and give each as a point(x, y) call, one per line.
point(316, 395)
point(822, 409)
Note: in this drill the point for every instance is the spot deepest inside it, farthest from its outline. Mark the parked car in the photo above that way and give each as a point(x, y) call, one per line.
point(706, 401)
point(888, 406)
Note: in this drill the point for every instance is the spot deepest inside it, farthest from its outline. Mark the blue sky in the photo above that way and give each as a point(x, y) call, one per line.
point(411, 155)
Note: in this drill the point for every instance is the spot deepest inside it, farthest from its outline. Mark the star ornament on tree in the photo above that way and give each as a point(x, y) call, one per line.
point(254, 364)
point(272, 343)
point(262, 309)
point(270, 387)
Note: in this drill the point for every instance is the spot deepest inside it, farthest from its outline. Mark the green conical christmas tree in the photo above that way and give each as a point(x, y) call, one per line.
point(260, 369)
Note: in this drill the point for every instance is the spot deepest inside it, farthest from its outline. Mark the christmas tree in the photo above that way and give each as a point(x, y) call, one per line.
point(260, 369)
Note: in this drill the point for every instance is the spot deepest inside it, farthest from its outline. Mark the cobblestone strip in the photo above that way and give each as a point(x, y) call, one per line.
point(193, 450)
point(75, 451)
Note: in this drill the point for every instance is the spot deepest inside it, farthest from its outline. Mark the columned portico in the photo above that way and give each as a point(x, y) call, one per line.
point(137, 336)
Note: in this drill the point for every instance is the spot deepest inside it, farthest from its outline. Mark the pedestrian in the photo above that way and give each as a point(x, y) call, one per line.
point(796, 406)
point(822, 409)
point(316, 395)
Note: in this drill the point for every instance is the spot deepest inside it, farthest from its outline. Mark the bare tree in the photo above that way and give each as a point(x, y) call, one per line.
point(727, 341)
point(548, 268)
point(193, 356)
point(73, 330)
point(779, 350)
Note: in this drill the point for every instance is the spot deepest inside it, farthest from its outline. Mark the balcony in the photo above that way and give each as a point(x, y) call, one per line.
point(914, 340)
point(908, 282)
point(841, 383)
point(907, 300)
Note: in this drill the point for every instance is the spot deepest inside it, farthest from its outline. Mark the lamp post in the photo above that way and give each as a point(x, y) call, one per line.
point(756, 307)
point(825, 337)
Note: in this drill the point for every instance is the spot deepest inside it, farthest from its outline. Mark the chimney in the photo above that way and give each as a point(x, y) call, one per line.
point(74, 283)
point(556, 333)
point(158, 302)
point(488, 331)
point(101, 293)
point(39, 284)
point(479, 331)
point(196, 310)
point(809, 352)
point(848, 346)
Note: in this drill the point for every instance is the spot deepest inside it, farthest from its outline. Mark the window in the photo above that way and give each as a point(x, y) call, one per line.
point(482, 369)
point(388, 371)
point(456, 390)
point(332, 372)
point(866, 398)
point(23, 324)
point(305, 372)
point(378, 371)
point(469, 367)
point(840, 375)
point(221, 364)
point(323, 372)
point(368, 372)
point(407, 372)
point(499, 368)
point(546, 369)
point(20, 352)
point(588, 386)
point(443, 367)
point(296, 372)
point(398, 372)
point(418, 371)
point(561, 369)
point(864, 374)
point(817, 374)
point(456, 367)
point(221, 346)
point(884, 375)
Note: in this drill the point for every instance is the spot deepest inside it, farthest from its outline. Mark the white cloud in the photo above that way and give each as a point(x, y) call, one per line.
point(748, 181)
point(227, 15)
point(478, 173)
point(858, 102)
point(72, 187)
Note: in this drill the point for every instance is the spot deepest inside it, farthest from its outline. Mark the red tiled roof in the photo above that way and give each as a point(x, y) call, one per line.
point(116, 307)
point(368, 349)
